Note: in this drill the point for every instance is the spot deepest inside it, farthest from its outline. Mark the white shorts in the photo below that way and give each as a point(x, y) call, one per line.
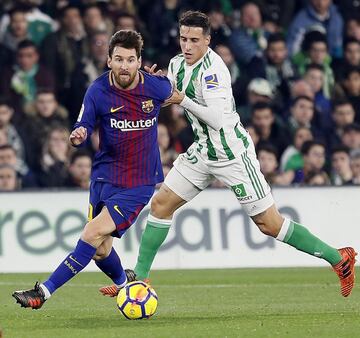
point(191, 174)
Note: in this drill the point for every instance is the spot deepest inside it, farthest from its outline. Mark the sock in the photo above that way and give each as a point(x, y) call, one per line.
point(153, 236)
point(72, 265)
point(302, 239)
point(112, 267)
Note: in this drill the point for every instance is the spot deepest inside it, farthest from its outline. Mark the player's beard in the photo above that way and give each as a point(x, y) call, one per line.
point(125, 82)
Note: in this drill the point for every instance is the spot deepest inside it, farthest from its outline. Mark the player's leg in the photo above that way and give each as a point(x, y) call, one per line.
point(94, 233)
point(288, 231)
point(184, 181)
point(163, 205)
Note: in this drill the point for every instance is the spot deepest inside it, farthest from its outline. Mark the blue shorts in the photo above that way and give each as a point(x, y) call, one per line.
point(124, 204)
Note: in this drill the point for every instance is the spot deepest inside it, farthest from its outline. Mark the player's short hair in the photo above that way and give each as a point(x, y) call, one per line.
point(195, 19)
point(128, 39)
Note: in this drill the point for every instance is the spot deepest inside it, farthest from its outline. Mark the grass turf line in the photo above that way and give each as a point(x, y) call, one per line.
point(192, 303)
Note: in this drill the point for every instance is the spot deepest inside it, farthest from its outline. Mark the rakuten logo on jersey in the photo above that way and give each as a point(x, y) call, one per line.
point(126, 125)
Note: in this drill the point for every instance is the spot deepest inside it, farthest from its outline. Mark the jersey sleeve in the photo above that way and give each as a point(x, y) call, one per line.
point(164, 88)
point(87, 114)
point(214, 84)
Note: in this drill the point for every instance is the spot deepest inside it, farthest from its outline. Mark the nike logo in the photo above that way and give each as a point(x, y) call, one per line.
point(118, 210)
point(73, 259)
point(113, 110)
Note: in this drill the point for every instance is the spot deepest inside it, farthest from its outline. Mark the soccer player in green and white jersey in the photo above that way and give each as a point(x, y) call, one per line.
point(222, 149)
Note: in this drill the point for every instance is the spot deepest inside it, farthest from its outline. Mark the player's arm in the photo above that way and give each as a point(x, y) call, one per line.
point(211, 114)
point(86, 120)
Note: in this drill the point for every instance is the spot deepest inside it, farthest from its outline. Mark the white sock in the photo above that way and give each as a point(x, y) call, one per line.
point(46, 291)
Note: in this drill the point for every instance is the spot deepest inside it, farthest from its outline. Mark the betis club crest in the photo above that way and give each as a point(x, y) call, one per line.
point(147, 106)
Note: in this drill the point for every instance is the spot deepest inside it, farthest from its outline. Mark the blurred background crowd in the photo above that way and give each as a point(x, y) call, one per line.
point(294, 64)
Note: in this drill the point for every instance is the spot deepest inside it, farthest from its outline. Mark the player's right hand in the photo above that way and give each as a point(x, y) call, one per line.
point(151, 70)
point(78, 136)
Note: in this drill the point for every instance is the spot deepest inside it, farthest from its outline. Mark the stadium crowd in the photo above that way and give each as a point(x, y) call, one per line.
point(295, 69)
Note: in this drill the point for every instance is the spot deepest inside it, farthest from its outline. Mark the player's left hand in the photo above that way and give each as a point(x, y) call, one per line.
point(151, 70)
point(176, 97)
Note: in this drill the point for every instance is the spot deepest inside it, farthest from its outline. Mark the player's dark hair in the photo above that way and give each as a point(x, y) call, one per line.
point(195, 19)
point(127, 39)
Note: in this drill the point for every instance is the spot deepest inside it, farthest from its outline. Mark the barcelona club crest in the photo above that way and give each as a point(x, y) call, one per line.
point(147, 106)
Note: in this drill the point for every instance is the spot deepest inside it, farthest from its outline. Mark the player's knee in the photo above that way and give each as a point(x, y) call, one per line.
point(90, 234)
point(269, 222)
point(159, 209)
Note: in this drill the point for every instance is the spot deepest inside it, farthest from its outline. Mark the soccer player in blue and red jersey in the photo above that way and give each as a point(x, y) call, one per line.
point(125, 102)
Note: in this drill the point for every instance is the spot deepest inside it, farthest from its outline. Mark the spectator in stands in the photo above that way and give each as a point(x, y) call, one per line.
point(44, 115)
point(320, 13)
point(355, 166)
point(352, 27)
point(63, 50)
point(275, 67)
point(95, 21)
point(268, 159)
point(301, 88)
point(24, 175)
point(87, 71)
point(340, 166)
point(21, 83)
point(17, 30)
point(79, 170)
point(315, 51)
point(258, 90)
point(8, 179)
point(313, 153)
point(268, 128)
point(350, 88)
point(292, 158)
point(125, 21)
point(351, 58)
point(238, 78)
point(351, 136)
point(163, 30)
point(249, 40)
point(55, 156)
point(220, 31)
point(8, 129)
point(343, 114)
point(317, 178)
point(302, 113)
point(315, 77)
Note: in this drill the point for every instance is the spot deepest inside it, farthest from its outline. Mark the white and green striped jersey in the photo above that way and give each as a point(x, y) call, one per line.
point(207, 79)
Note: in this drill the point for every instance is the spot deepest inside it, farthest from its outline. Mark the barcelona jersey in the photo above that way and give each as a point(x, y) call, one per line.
point(128, 153)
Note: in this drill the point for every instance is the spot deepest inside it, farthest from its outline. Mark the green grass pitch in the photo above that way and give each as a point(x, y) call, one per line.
point(192, 303)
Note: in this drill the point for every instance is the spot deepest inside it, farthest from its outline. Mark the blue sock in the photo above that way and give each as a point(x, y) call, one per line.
point(72, 265)
point(112, 267)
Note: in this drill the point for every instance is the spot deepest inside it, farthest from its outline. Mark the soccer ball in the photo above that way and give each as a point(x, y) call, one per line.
point(137, 300)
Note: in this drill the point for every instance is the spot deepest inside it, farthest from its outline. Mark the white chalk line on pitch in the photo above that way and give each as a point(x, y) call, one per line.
point(188, 286)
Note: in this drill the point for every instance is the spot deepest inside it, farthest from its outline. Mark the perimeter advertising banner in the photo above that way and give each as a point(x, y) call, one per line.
point(37, 229)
